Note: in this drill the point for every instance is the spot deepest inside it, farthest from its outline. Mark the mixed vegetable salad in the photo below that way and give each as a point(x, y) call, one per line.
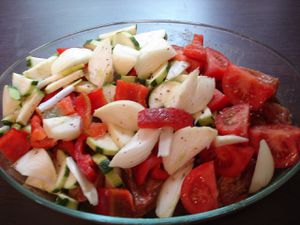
point(129, 124)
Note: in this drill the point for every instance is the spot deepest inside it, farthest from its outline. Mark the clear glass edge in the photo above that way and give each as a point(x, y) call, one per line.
point(172, 220)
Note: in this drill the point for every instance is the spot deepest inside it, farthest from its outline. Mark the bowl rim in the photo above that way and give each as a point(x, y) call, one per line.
point(171, 220)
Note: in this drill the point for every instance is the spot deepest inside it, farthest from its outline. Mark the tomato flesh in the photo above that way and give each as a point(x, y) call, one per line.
point(131, 91)
point(234, 120)
point(97, 99)
point(199, 190)
point(243, 85)
point(14, 144)
point(216, 64)
point(283, 140)
point(198, 39)
point(162, 117)
point(231, 160)
point(65, 106)
point(115, 202)
point(96, 129)
point(218, 101)
point(61, 50)
point(84, 110)
point(195, 52)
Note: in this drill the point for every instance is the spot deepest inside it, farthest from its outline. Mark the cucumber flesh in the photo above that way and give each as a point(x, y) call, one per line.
point(131, 79)
point(161, 94)
point(11, 118)
point(103, 145)
point(71, 182)
point(63, 170)
point(66, 201)
point(130, 29)
point(14, 93)
point(113, 179)
point(177, 68)
point(33, 61)
point(159, 75)
point(3, 130)
point(9, 104)
point(125, 38)
point(41, 70)
point(146, 37)
point(204, 118)
point(91, 44)
point(23, 84)
point(29, 106)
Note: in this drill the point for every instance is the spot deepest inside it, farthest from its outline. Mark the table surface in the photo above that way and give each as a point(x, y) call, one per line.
point(25, 25)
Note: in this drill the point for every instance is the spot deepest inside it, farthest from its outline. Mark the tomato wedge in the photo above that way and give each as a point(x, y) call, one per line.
point(14, 144)
point(163, 117)
point(65, 106)
point(243, 85)
point(195, 52)
point(96, 129)
point(97, 99)
point(199, 190)
point(67, 146)
point(84, 110)
point(131, 91)
point(115, 202)
point(216, 64)
point(218, 101)
point(159, 173)
point(234, 120)
point(283, 140)
point(232, 160)
point(198, 39)
point(274, 113)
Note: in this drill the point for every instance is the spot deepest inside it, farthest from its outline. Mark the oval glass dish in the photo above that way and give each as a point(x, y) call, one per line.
point(239, 49)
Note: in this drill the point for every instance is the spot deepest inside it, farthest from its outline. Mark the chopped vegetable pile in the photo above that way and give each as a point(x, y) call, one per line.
point(129, 124)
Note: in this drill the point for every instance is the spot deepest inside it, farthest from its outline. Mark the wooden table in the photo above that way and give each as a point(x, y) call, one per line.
point(24, 25)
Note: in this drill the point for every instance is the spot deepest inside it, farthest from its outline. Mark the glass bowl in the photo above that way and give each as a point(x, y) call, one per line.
point(239, 49)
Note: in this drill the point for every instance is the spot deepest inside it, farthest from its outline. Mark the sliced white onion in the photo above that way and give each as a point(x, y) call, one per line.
point(165, 141)
point(264, 168)
point(187, 142)
point(170, 192)
point(48, 80)
point(137, 149)
point(229, 140)
point(38, 164)
point(56, 98)
point(88, 189)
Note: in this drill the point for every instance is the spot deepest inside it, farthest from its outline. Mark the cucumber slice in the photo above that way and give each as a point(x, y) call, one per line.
point(11, 118)
point(111, 174)
point(103, 145)
point(109, 91)
point(91, 44)
point(29, 106)
point(64, 81)
point(100, 66)
point(16, 126)
point(9, 104)
point(72, 69)
point(161, 94)
point(85, 87)
point(159, 75)
point(41, 70)
point(131, 79)
point(125, 38)
point(4, 129)
point(146, 37)
point(14, 93)
point(204, 118)
point(177, 68)
point(23, 84)
point(33, 61)
point(124, 58)
point(63, 170)
point(119, 135)
point(152, 56)
point(66, 201)
point(71, 182)
point(130, 29)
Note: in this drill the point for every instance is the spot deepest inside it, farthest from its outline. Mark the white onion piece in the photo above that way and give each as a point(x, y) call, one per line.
point(165, 141)
point(48, 80)
point(264, 168)
point(38, 164)
point(137, 149)
point(187, 142)
point(56, 98)
point(229, 140)
point(88, 189)
point(170, 192)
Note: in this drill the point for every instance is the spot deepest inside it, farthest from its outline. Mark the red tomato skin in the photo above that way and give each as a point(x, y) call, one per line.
point(159, 173)
point(243, 85)
point(199, 189)
point(142, 170)
point(14, 144)
point(283, 140)
point(218, 101)
point(131, 91)
point(162, 117)
point(234, 120)
point(198, 40)
point(77, 194)
point(231, 160)
point(61, 50)
point(68, 147)
point(97, 99)
point(83, 108)
point(195, 52)
point(115, 202)
point(274, 113)
point(96, 129)
point(65, 106)
point(216, 64)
